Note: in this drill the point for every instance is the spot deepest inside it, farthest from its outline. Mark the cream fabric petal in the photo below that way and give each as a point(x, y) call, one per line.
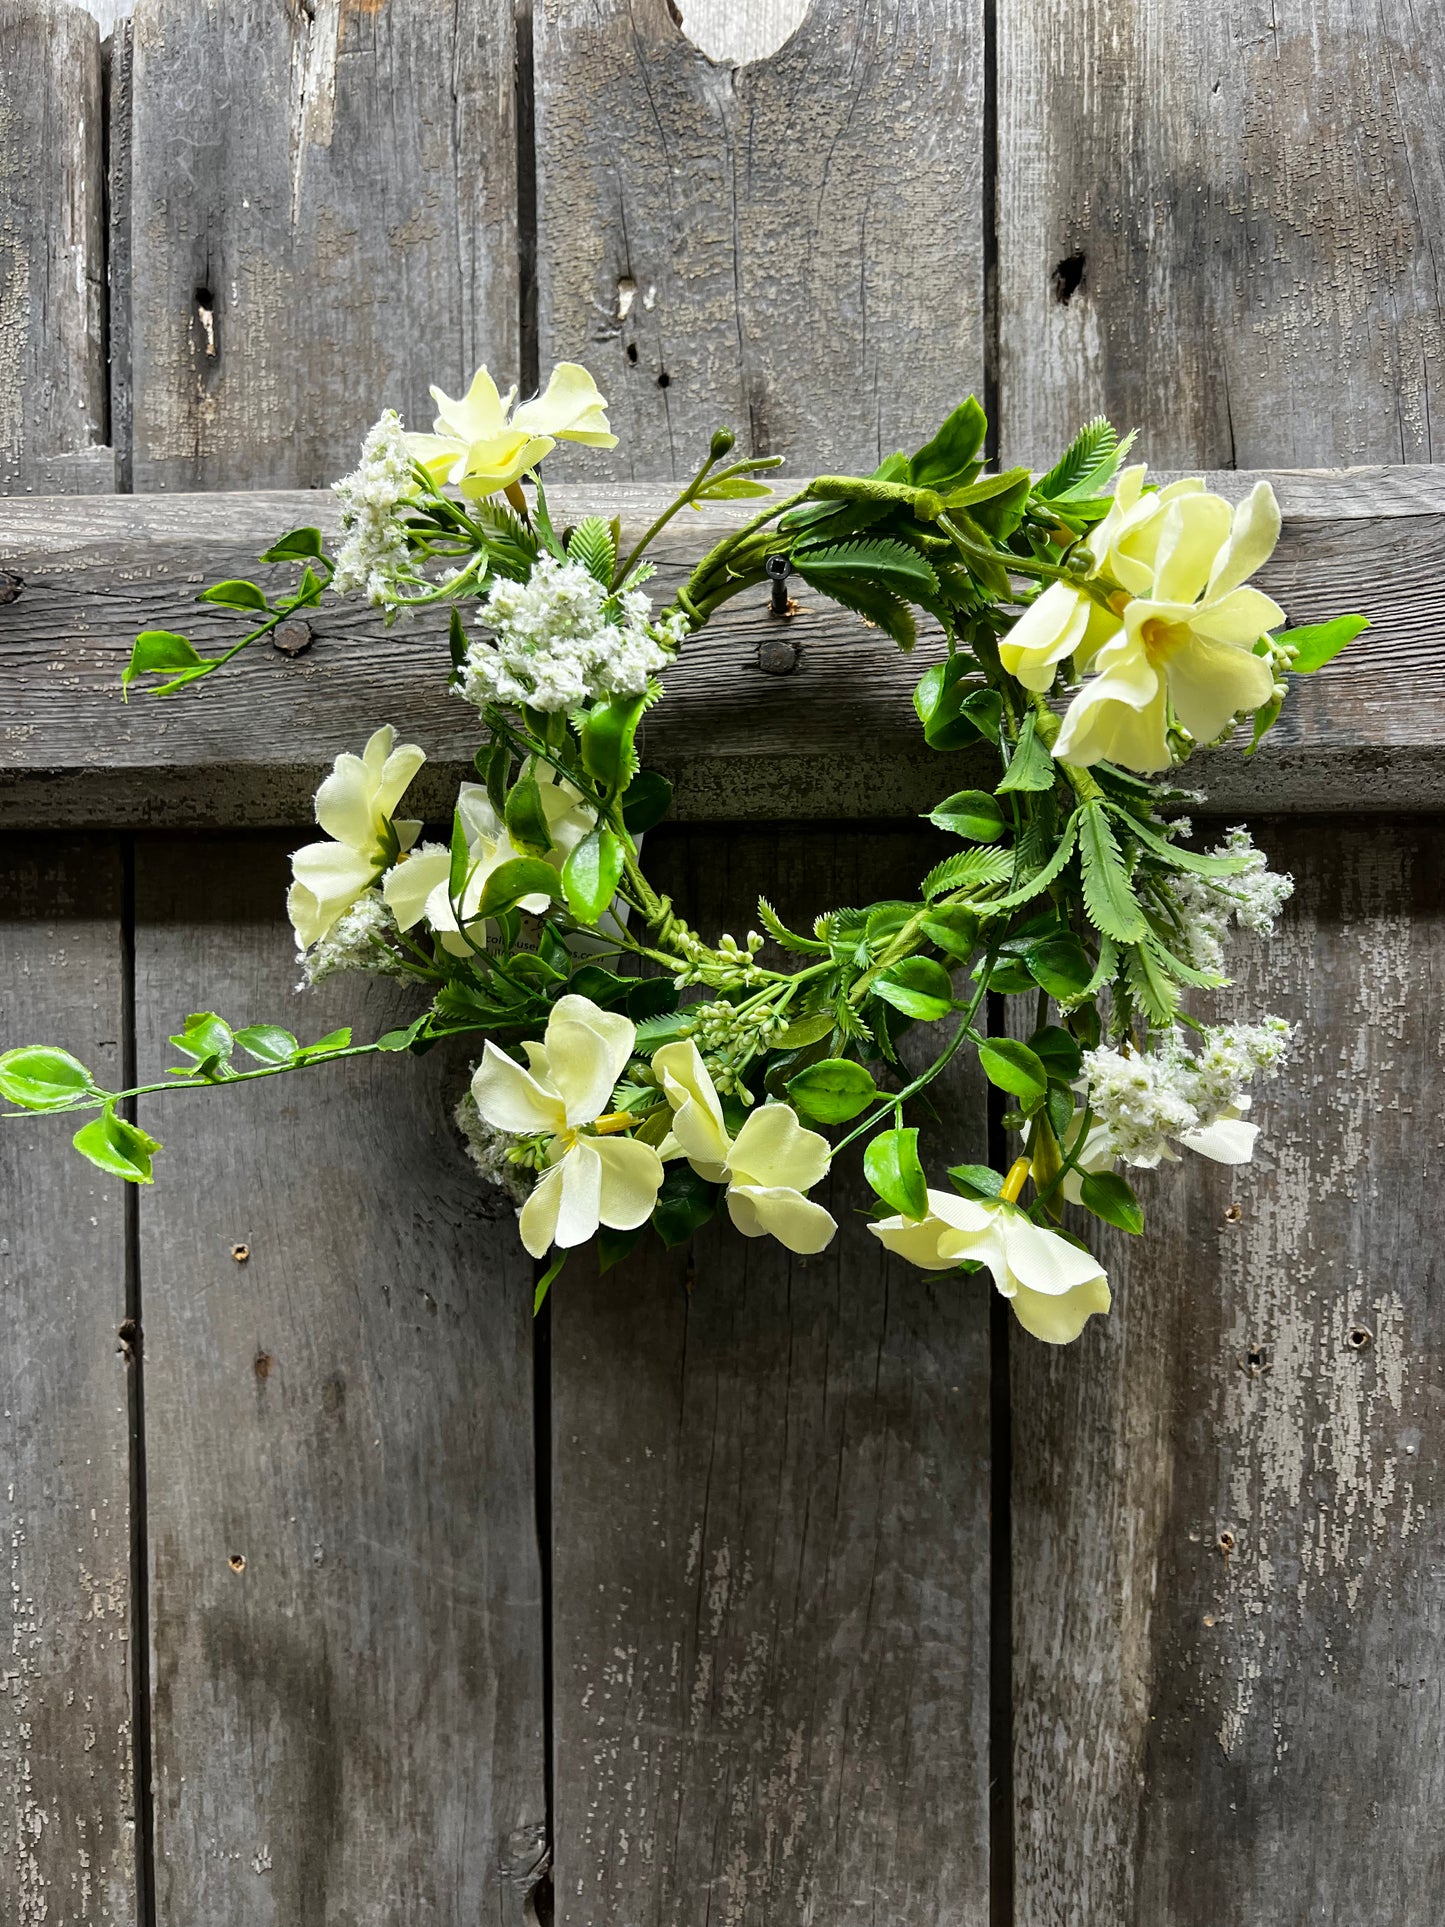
point(436, 453)
point(476, 416)
point(917, 1242)
point(570, 407)
point(1210, 681)
point(1048, 630)
point(618, 1033)
point(781, 1213)
point(512, 1099)
point(772, 1148)
point(408, 885)
point(631, 1178)
point(697, 1121)
point(1042, 1260)
point(537, 1219)
point(1118, 714)
point(343, 803)
point(483, 474)
point(305, 914)
point(1059, 1320)
point(479, 819)
point(1194, 530)
point(396, 774)
point(569, 819)
point(1241, 617)
point(333, 873)
point(580, 1068)
point(1252, 537)
point(1228, 1140)
point(579, 1211)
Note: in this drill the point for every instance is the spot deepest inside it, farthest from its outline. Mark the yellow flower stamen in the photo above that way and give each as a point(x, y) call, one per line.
point(1017, 1178)
point(614, 1121)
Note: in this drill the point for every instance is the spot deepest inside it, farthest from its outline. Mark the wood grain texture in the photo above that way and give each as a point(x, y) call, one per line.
point(770, 1497)
point(345, 1603)
point(52, 258)
point(765, 245)
point(739, 741)
point(1222, 224)
point(67, 1841)
point(323, 222)
point(1229, 1535)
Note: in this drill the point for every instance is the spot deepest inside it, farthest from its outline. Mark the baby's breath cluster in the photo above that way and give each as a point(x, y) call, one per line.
point(500, 1157)
point(1205, 907)
point(374, 560)
point(1143, 1100)
point(362, 938)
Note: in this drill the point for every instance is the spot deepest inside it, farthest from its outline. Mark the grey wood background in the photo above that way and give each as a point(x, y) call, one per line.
point(740, 1588)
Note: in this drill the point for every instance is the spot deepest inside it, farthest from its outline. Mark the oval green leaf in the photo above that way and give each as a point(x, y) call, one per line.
point(891, 1166)
point(1014, 1068)
point(591, 874)
point(832, 1091)
point(38, 1077)
point(970, 813)
point(1060, 965)
point(918, 986)
point(122, 1149)
point(1109, 1197)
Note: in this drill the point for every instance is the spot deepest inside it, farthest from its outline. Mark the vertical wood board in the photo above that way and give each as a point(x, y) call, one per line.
point(323, 221)
point(67, 1836)
point(791, 246)
point(345, 1600)
point(770, 1524)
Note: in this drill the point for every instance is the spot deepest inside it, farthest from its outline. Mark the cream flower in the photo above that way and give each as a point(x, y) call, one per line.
point(767, 1167)
point(1063, 622)
point(354, 806)
point(591, 1180)
point(1188, 642)
point(482, 445)
point(419, 885)
point(1053, 1286)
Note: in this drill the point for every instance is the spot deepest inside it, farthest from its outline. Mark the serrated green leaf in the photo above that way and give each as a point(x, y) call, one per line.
point(970, 813)
point(591, 544)
point(526, 820)
point(789, 939)
point(1031, 768)
point(267, 1043)
point(918, 986)
point(832, 1091)
point(875, 604)
point(875, 558)
point(969, 870)
point(645, 801)
point(1060, 965)
point(1086, 464)
point(523, 876)
point(40, 1077)
point(950, 457)
point(976, 1180)
point(1040, 880)
point(1108, 894)
point(158, 652)
point(609, 753)
point(1153, 990)
point(117, 1147)
point(295, 546)
point(1174, 854)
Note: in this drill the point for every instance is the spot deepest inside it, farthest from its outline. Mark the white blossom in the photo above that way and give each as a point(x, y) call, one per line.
point(373, 559)
point(490, 1151)
point(558, 639)
point(1206, 906)
point(1141, 1100)
point(358, 940)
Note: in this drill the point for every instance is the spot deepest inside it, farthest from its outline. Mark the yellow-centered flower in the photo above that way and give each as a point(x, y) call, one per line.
point(354, 806)
point(482, 445)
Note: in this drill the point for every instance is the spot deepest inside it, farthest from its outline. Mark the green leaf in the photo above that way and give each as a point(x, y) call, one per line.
point(406, 1038)
point(976, 1180)
point(995, 502)
point(1108, 894)
point(296, 546)
point(608, 752)
point(1032, 767)
point(235, 595)
point(684, 1204)
point(1060, 965)
point(122, 1149)
point(651, 997)
point(1264, 721)
point(613, 1246)
point(953, 713)
point(1174, 854)
point(1087, 464)
point(969, 870)
point(804, 1031)
point(875, 604)
point(918, 986)
point(645, 801)
point(789, 939)
point(880, 559)
point(205, 1038)
point(732, 488)
point(267, 1043)
point(1040, 880)
point(604, 987)
point(522, 876)
point(950, 457)
point(952, 929)
point(547, 1280)
point(1151, 985)
point(526, 820)
point(832, 1091)
point(1109, 1197)
point(591, 543)
point(1013, 1067)
point(327, 1046)
point(39, 1077)
point(496, 773)
point(891, 1166)
point(1320, 642)
point(970, 813)
point(461, 863)
point(1058, 1052)
point(592, 873)
point(159, 652)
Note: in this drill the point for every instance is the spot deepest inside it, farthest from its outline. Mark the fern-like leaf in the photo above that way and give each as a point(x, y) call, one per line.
point(875, 604)
point(593, 545)
point(1108, 894)
point(1087, 465)
point(1152, 988)
point(969, 869)
point(878, 558)
point(788, 939)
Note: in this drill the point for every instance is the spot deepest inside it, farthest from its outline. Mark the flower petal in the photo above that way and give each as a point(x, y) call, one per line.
point(1119, 713)
point(697, 1121)
point(1228, 1140)
point(1041, 1260)
point(631, 1179)
point(1058, 1320)
point(398, 770)
point(537, 1219)
point(580, 1211)
point(408, 884)
point(477, 416)
point(587, 1049)
point(1252, 537)
point(305, 914)
point(344, 803)
point(1048, 630)
point(618, 1033)
point(570, 406)
point(1210, 681)
point(512, 1099)
point(782, 1213)
point(335, 877)
point(1194, 530)
point(1240, 617)
point(916, 1240)
point(772, 1148)
point(489, 467)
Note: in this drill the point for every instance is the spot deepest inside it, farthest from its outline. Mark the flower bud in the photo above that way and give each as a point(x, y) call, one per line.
point(1080, 561)
point(722, 443)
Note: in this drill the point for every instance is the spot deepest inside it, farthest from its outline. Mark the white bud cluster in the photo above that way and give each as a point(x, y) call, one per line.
point(1206, 906)
point(559, 638)
point(728, 1037)
point(373, 560)
point(500, 1157)
point(360, 939)
point(723, 964)
point(1142, 1099)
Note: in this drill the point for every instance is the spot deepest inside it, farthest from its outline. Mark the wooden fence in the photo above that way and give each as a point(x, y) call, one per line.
point(740, 1590)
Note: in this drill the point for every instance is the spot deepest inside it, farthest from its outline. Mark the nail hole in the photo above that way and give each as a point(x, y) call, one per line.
point(1225, 1542)
point(632, 352)
point(1234, 1213)
point(626, 295)
point(262, 1365)
point(664, 380)
point(1359, 1337)
point(1068, 278)
point(1256, 1359)
point(206, 315)
point(240, 1253)
point(237, 1562)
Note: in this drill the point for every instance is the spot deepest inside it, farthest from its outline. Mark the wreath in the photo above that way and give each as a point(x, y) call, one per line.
point(634, 1071)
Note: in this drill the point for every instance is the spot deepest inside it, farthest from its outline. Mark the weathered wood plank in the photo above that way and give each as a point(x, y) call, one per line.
point(52, 258)
point(771, 1540)
point(1229, 1534)
point(345, 1618)
point(739, 740)
point(1221, 223)
point(323, 221)
point(67, 1837)
point(767, 244)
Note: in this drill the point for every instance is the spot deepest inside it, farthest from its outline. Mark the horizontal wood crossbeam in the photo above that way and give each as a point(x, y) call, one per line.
point(808, 714)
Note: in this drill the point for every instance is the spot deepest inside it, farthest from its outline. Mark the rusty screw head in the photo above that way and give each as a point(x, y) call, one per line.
point(292, 638)
point(777, 656)
point(1225, 1542)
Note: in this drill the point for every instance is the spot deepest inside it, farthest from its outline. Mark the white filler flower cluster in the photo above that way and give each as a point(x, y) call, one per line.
point(1143, 1099)
point(373, 559)
point(488, 1148)
point(559, 638)
point(1206, 906)
point(359, 939)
